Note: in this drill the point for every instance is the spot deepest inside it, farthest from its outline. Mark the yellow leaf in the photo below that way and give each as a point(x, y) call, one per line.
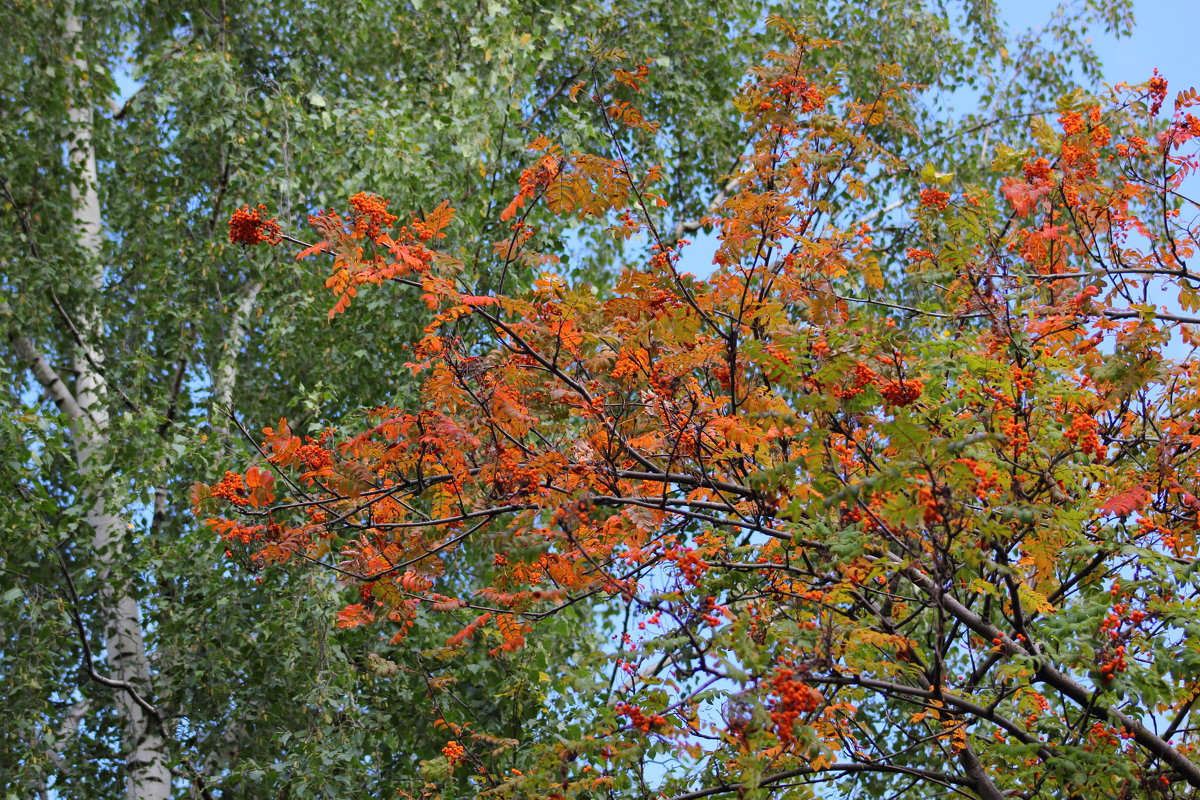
point(872, 274)
point(1035, 600)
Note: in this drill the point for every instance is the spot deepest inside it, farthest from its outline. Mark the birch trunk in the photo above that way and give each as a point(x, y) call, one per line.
point(148, 774)
point(225, 371)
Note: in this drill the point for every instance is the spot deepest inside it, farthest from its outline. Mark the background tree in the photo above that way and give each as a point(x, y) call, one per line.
point(130, 320)
point(945, 549)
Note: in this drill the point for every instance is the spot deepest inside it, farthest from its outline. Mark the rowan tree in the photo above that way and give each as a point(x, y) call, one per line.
point(909, 550)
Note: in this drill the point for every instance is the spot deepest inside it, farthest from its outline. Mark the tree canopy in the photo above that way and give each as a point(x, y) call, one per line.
point(930, 549)
point(137, 660)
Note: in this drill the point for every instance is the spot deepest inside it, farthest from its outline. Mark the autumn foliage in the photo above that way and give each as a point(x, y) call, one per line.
point(920, 520)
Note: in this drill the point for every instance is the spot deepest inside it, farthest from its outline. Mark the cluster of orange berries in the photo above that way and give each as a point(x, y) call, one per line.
point(313, 455)
point(1022, 380)
point(371, 214)
point(986, 480)
point(793, 698)
point(933, 508)
point(243, 535)
point(1101, 136)
point(1169, 537)
point(247, 226)
point(424, 232)
point(1114, 664)
point(1083, 432)
point(902, 393)
point(231, 488)
point(1137, 146)
point(1158, 92)
point(453, 751)
point(864, 376)
point(639, 719)
point(690, 565)
point(539, 175)
point(1111, 627)
point(1101, 734)
point(1073, 156)
point(1017, 435)
point(918, 254)
point(709, 610)
point(1072, 123)
point(934, 198)
point(1036, 170)
point(1043, 705)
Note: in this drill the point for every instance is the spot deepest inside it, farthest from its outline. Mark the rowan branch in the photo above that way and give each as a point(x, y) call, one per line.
point(1050, 675)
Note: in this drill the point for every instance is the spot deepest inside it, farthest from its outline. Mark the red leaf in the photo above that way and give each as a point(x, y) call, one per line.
point(1127, 502)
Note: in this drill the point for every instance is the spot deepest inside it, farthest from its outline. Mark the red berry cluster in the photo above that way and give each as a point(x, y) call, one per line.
point(864, 376)
point(934, 198)
point(1043, 705)
point(792, 698)
point(232, 489)
point(795, 87)
point(247, 226)
point(986, 480)
point(932, 504)
point(1072, 123)
point(1036, 170)
point(902, 393)
point(371, 214)
point(313, 454)
point(639, 719)
point(1083, 431)
point(710, 610)
point(690, 565)
point(453, 751)
point(1158, 92)
point(1116, 628)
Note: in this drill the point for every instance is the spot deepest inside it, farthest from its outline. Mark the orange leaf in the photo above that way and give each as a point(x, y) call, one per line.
point(439, 218)
point(319, 247)
point(354, 615)
point(511, 208)
point(477, 301)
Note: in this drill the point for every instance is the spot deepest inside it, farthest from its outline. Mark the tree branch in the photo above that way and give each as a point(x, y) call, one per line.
point(848, 767)
point(88, 663)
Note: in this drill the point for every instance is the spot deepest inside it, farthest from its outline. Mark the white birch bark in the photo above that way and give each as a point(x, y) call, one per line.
point(148, 774)
point(224, 373)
